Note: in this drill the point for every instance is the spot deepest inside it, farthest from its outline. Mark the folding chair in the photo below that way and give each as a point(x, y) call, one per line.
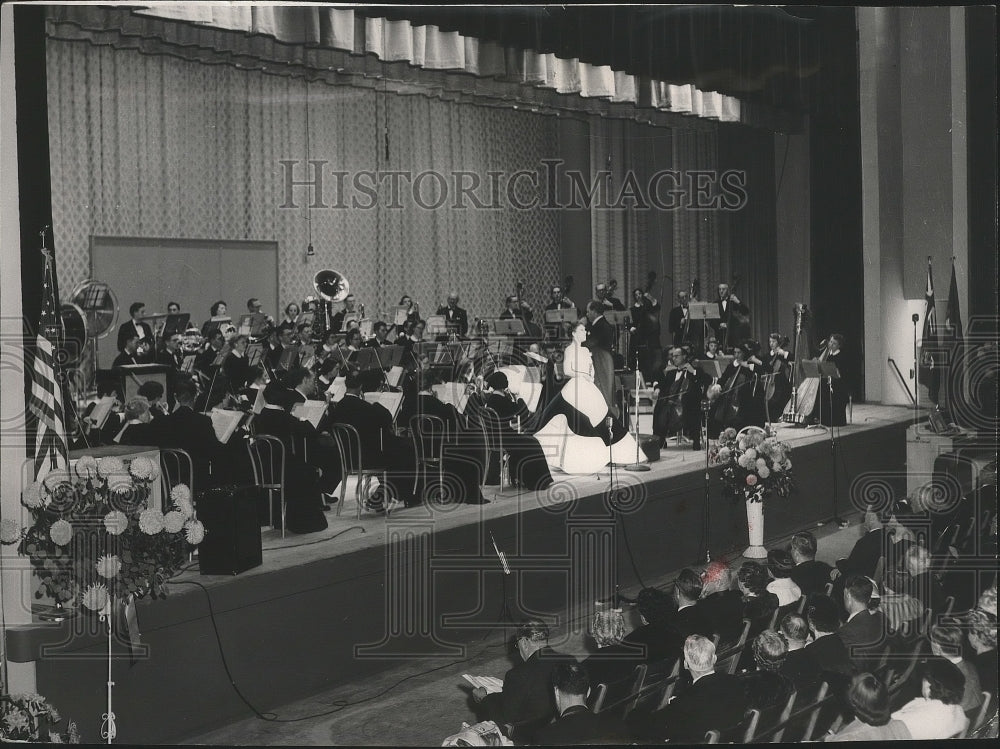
point(176, 467)
point(493, 434)
point(429, 434)
point(267, 458)
point(621, 693)
point(349, 444)
point(729, 659)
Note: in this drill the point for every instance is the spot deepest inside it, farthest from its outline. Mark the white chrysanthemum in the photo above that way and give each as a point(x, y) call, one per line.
point(761, 463)
point(195, 532)
point(141, 468)
point(10, 531)
point(725, 453)
point(110, 465)
point(173, 522)
point(95, 597)
point(185, 507)
point(751, 454)
point(119, 482)
point(151, 521)
point(61, 532)
point(116, 522)
point(181, 491)
point(32, 496)
point(778, 468)
point(788, 464)
point(109, 565)
point(55, 478)
point(763, 472)
point(86, 467)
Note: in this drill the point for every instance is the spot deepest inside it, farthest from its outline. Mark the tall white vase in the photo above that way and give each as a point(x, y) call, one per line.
point(755, 529)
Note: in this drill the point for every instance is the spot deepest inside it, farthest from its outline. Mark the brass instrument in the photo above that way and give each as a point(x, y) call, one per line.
point(332, 287)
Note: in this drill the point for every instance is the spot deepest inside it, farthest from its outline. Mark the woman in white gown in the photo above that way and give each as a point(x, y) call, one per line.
point(575, 436)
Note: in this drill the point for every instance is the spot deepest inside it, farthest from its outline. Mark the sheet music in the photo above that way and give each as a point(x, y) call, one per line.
point(337, 389)
point(400, 316)
point(437, 325)
point(259, 402)
point(311, 411)
point(225, 422)
point(453, 393)
point(491, 684)
point(102, 409)
point(394, 375)
point(391, 401)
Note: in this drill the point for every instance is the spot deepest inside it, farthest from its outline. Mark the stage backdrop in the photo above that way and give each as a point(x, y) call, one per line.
point(157, 147)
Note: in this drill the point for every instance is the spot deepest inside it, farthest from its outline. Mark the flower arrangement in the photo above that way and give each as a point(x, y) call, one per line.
point(24, 717)
point(755, 464)
point(94, 539)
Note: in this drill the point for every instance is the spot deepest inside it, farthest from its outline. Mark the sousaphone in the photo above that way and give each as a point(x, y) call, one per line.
point(332, 287)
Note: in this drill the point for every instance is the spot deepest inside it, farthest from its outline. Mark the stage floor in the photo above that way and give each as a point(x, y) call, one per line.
point(347, 534)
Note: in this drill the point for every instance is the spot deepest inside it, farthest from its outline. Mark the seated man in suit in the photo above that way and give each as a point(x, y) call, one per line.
point(799, 664)
point(688, 619)
point(380, 447)
point(713, 701)
point(811, 576)
point(129, 353)
point(921, 582)
point(721, 606)
point(575, 724)
point(185, 429)
point(865, 631)
point(827, 650)
point(527, 699)
point(867, 550)
point(137, 430)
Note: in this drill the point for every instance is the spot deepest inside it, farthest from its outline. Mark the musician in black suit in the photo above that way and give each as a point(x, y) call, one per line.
point(600, 341)
point(514, 310)
point(527, 695)
point(739, 400)
point(129, 354)
point(188, 430)
point(677, 321)
point(713, 701)
point(380, 447)
point(728, 327)
point(380, 330)
point(609, 296)
point(831, 410)
point(141, 330)
point(171, 355)
point(273, 349)
point(350, 309)
point(205, 361)
point(779, 368)
point(235, 366)
point(678, 395)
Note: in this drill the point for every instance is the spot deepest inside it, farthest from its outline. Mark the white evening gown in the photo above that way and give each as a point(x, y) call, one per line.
point(568, 451)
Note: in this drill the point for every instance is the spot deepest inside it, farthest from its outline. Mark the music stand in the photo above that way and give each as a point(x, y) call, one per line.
point(214, 324)
point(176, 323)
point(829, 372)
point(553, 316)
point(509, 326)
point(436, 325)
point(712, 367)
point(703, 311)
point(366, 359)
point(617, 318)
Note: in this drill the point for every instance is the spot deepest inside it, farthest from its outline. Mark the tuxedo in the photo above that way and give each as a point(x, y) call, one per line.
point(174, 360)
point(527, 461)
point(464, 454)
point(124, 359)
point(193, 432)
point(455, 316)
point(131, 327)
point(741, 403)
point(715, 701)
point(272, 355)
point(521, 314)
point(237, 370)
point(664, 412)
point(138, 434)
point(728, 309)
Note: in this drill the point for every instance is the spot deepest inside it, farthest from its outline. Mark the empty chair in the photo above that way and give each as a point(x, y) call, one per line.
point(267, 458)
point(353, 461)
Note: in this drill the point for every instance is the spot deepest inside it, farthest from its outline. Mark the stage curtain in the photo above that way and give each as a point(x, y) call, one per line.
point(330, 42)
point(159, 146)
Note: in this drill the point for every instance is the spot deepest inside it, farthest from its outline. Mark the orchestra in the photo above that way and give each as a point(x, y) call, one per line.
point(317, 347)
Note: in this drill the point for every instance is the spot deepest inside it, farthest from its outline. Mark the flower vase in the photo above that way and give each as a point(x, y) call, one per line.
point(755, 529)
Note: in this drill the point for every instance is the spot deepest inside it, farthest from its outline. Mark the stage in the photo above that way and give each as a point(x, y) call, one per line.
point(331, 608)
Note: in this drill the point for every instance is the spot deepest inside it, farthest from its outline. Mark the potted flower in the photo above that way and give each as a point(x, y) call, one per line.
point(755, 464)
point(29, 718)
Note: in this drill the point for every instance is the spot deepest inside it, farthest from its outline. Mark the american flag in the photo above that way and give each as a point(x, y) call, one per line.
point(45, 401)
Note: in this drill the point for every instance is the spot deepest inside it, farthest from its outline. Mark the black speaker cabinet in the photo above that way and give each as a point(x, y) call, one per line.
point(232, 532)
point(651, 448)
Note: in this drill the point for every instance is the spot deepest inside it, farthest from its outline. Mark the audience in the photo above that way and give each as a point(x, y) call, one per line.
point(827, 649)
point(654, 636)
point(766, 688)
point(869, 548)
point(921, 583)
point(868, 699)
point(946, 642)
point(937, 713)
point(811, 576)
point(575, 723)
point(759, 604)
point(688, 619)
point(779, 565)
point(982, 636)
point(864, 631)
point(712, 701)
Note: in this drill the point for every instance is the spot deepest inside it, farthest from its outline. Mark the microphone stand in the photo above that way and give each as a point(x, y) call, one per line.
point(833, 453)
point(705, 406)
point(916, 382)
point(637, 466)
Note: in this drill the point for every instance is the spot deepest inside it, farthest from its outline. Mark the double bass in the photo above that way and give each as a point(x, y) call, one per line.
point(738, 327)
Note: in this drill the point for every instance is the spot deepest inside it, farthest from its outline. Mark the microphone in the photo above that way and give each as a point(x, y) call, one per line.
point(915, 317)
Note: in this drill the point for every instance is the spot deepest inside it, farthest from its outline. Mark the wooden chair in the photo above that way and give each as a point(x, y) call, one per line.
point(267, 459)
point(349, 445)
point(729, 659)
point(783, 717)
point(623, 693)
point(752, 720)
point(712, 737)
point(668, 687)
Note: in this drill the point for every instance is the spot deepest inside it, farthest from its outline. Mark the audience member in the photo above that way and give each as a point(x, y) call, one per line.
point(779, 565)
point(721, 606)
point(766, 688)
point(937, 713)
point(654, 636)
point(759, 604)
point(575, 724)
point(713, 701)
point(946, 642)
point(864, 631)
point(137, 429)
point(527, 700)
point(688, 618)
point(799, 666)
point(922, 583)
point(983, 639)
point(827, 649)
point(868, 699)
point(811, 576)
point(867, 550)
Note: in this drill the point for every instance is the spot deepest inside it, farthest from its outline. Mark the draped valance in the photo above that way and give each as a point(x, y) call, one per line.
point(342, 47)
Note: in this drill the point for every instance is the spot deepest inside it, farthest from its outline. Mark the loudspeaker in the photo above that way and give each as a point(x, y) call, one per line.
point(651, 448)
point(232, 541)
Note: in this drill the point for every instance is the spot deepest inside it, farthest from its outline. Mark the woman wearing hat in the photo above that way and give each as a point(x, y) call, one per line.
point(937, 712)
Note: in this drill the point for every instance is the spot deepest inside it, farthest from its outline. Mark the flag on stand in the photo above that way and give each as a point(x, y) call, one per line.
point(930, 342)
point(45, 401)
point(953, 334)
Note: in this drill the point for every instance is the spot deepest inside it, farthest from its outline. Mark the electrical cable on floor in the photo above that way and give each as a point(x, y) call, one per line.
point(339, 705)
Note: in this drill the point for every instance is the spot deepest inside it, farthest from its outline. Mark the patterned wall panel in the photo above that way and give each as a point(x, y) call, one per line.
point(154, 146)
